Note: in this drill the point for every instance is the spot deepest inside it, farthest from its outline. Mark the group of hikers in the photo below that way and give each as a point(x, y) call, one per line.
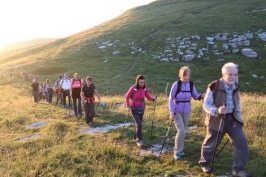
point(221, 102)
point(74, 89)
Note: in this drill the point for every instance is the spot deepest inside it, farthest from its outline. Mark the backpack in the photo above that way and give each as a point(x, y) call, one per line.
point(135, 90)
point(214, 87)
point(65, 79)
point(179, 84)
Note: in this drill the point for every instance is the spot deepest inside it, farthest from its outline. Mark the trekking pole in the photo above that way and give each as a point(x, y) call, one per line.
point(121, 134)
point(215, 147)
point(165, 138)
point(153, 117)
point(222, 148)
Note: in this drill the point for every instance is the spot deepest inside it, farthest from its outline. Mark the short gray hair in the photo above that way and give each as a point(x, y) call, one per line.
point(228, 65)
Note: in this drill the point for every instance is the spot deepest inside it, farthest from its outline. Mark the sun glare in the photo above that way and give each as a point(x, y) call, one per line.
point(29, 19)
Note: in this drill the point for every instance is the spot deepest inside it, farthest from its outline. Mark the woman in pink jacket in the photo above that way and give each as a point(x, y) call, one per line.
point(137, 93)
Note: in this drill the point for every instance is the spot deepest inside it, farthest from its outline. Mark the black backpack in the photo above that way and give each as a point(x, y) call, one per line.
point(179, 85)
point(135, 89)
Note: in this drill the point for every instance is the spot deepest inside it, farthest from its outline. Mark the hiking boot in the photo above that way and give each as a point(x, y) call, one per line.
point(179, 156)
point(139, 143)
point(206, 169)
point(241, 173)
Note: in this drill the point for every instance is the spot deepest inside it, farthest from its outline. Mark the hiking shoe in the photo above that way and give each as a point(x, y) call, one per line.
point(241, 173)
point(179, 156)
point(206, 169)
point(139, 143)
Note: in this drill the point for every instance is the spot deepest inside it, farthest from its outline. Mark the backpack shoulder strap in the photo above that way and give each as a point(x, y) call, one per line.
point(213, 87)
point(191, 87)
point(134, 91)
point(179, 84)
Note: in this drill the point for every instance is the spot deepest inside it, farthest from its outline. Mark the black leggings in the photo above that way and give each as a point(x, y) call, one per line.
point(138, 124)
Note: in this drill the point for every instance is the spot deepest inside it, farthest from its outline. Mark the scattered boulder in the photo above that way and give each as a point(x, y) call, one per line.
point(188, 57)
point(249, 53)
point(102, 47)
point(165, 60)
point(262, 36)
point(116, 52)
point(210, 39)
point(235, 50)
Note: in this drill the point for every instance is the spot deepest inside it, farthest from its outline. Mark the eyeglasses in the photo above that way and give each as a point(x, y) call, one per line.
point(89, 80)
point(141, 82)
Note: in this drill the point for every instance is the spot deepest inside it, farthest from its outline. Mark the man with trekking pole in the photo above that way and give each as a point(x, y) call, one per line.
point(223, 116)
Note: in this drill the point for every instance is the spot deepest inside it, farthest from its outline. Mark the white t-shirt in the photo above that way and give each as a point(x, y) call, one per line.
point(65, 83)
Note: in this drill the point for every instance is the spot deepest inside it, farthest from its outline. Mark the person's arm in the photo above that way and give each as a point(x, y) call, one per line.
point(208, 103)
point(70, 89)
point(148, 95)
point(82, 93)
point(195, 94)
point(55, 85)
point(97, 94)
point(172, 99)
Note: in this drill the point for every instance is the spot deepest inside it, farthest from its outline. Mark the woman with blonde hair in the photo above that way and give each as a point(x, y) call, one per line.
point(180, 107)
point(75, 89)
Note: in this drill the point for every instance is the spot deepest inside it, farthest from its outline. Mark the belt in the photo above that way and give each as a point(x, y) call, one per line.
point(227, 114)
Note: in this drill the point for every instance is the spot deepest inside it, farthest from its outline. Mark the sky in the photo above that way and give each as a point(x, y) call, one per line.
point(22, 20)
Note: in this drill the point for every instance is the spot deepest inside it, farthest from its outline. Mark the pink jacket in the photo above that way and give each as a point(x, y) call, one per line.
point(139, 95)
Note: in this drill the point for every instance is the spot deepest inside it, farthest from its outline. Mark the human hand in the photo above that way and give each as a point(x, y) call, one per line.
point(202, 95)
point(172, 117)
point(222, 109)
point(155, 99)
point(128, 109)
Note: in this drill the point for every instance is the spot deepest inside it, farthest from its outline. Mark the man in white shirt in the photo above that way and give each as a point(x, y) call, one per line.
point(65, 86)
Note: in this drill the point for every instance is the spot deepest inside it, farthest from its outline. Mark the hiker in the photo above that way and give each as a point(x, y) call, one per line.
point(180, 108)
point(57, 90)
point(137, 93)
point(87, 95)
point(64, 87)
point(222, 103)
point(34, 86)
point(37, 78)
point(45, 90)
point(40, 91)
point(51, 93)
point(75, 89)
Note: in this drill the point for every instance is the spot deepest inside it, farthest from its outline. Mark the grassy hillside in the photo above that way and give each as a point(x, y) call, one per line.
point(142, 36)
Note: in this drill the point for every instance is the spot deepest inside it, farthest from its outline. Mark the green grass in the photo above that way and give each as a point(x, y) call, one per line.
point(63, 151)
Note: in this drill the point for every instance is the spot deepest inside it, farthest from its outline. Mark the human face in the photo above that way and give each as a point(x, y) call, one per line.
point(185, 77)
point(76, 77)
point(230, 76)
point(141, 82)
point(66, 75)
point(89, 81)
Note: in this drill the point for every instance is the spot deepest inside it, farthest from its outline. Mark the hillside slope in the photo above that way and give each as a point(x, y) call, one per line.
point(136, 41)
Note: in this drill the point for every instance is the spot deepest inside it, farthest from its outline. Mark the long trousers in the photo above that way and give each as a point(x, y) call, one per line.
point(66, 94)
point(77, 110)
point(138, 124)
point(237, 137)
point(89, 112)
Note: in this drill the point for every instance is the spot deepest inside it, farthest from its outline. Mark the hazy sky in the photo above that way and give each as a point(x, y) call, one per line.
point(28, 19)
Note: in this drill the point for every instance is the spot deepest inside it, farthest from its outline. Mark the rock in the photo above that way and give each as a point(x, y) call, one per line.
point(181, 47)
point(248, 35)
point(214, 46)
point(132, 52)
point(220, 60)
point(189, 52)
point(105, 61)
point(235, 50)
point(210, 39)
point(182, 43)
point(246, 43)
point(188, 57)
point(262, 36)
point(169, 55)
point(210, 42)
point(116, 52)
point(167, 51)
point(110, 44)
point(102, 47)
point(197, 37)
point(173, 45)
point(249, 53)
point(175, 60)
point(165, 60)
point(225, 46)
point(186, 39)
point(254, 75)
point(247, 83)
point(262, 77)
